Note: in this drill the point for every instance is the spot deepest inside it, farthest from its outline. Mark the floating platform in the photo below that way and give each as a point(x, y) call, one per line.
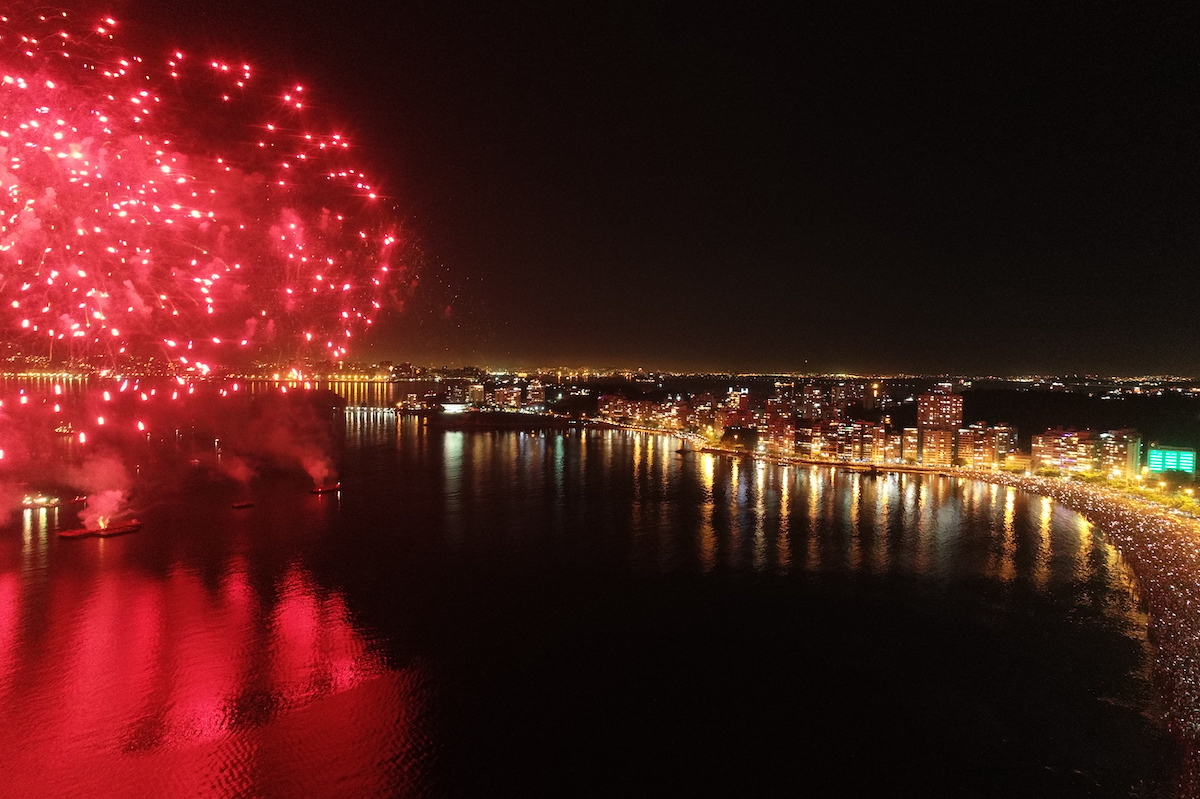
point(102, 532)
point(326, 489)
point(40, 501)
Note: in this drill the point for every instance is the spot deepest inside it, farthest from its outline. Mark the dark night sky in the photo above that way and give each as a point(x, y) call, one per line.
point(966, 187)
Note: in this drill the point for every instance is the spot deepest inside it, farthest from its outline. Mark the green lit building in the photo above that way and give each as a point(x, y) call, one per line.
point(1171, 459)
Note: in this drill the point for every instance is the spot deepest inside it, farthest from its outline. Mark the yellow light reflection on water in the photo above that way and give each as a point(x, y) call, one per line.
point(1008, 549)
point(883, 519)
point(1041, 569)
point(708, 535)
point(854, 534)
point(1085, 543)
point(816, 498)
point(924, 526)
point(784, 544)
point(760, 512)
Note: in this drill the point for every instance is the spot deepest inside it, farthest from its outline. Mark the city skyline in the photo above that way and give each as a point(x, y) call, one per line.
point(860, 281)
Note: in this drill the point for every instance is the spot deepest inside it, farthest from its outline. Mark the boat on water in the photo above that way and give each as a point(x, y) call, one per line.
point(241, 505)
point(133, 525)
point(40, 501)
point(326, 489)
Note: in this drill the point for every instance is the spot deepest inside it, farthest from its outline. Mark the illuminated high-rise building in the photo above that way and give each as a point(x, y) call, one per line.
point(535, 393)
point(874, 443)
point(894, 451)
point(737, 408)
point(507, 396)
point(814, 403)
point(1006, 440)
point(843, 395)
point(980, 446)
point(1069, 450)
point(777, 428)
point(937, 411)
point(937, 447)
point(817, 440)
point(849, 442)
point(1120, 453)
point(910, 445)
point(939, 417)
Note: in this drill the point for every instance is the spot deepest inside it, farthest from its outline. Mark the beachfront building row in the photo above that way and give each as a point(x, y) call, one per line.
point(1114, 452)
point(978, 446)
point(938, 440)
point(665, 415)
point(531, 395)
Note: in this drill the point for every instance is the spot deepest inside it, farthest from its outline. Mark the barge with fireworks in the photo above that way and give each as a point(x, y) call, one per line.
point(105, 531)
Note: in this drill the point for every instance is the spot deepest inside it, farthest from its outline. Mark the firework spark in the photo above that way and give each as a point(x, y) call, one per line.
point(181, 209)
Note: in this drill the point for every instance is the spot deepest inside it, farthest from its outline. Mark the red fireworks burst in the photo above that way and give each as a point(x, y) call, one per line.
point(179, 211)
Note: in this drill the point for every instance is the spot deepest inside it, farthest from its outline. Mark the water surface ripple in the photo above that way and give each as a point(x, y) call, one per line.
point(582, 613)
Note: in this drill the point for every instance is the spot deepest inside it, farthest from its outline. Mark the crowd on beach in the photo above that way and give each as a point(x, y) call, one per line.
point(1162, 546)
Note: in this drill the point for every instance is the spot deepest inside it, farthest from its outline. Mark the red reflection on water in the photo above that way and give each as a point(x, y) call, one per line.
point(9, 589)
point(116, 683)
point(209, 649)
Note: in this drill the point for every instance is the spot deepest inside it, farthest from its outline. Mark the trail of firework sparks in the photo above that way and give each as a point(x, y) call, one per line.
point(184, 214)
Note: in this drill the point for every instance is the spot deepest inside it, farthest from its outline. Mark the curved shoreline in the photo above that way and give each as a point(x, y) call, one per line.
point(1162, 548)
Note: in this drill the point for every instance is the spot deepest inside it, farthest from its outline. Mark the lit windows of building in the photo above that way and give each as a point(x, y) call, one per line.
point(1161, 459)
point(937, 447)
point(456, 391)
point(894, 448)
point(939, 411)
point(984, 447)
point(778, 429)
point(1006, 440)
point(805, 437)
point(536, 393)
point(843, 395)
point(814, 403)
point(971, 448)
point(874, 446)
point(738, 399)
point(817, 440)
point(1120, 453)
point(1067, 450)
point(849, 442)
point(507, 396)
point(611, 406)
point(827, 441)
point(737, 408)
